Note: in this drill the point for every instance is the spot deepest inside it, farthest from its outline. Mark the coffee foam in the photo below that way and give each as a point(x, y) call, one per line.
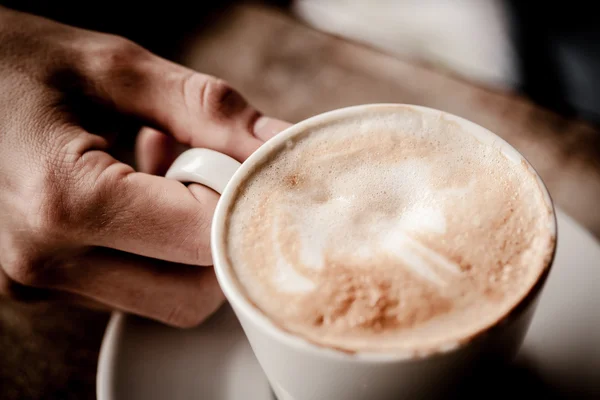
point(389, 230)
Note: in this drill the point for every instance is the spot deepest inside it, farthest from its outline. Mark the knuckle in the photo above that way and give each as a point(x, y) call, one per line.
point(119, 50)
point(124, 53)
point(21, 268)
point(15, 291)
point(8, 287)
point(184, 317)
point(219, 101)
point(71, 193)
point(112, 57)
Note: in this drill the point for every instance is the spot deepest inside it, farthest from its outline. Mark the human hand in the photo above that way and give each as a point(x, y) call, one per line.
point(77, 224)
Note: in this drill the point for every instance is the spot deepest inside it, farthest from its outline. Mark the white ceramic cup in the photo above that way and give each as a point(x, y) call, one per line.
point(300, 370)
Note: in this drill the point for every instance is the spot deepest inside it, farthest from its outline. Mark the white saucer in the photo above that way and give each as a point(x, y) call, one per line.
point(560, 358)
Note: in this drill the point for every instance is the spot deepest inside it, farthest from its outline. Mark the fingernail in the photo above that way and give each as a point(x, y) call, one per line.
point(265, 127)
point(260, 123)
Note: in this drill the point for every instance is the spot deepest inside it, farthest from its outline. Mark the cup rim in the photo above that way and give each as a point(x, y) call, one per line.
point(240, 303)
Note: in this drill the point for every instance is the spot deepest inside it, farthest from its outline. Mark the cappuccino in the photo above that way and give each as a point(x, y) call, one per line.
point(395, 229)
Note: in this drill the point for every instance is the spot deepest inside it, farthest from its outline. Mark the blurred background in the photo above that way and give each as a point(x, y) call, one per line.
point(527, 70)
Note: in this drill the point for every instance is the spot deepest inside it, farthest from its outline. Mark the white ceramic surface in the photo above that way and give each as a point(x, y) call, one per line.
point(560, 357)
point(330, 373)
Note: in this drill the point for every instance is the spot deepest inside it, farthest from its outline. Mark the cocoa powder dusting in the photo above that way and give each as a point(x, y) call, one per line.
point(292, 180)
point(366, 299)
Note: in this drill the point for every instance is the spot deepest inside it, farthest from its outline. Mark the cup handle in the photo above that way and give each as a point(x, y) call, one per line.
point(204, 166)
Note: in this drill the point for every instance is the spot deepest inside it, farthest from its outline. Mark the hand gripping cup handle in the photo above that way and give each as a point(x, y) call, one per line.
point(204, 166)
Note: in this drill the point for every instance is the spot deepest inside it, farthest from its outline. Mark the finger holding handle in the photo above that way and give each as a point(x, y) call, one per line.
point(204, 166)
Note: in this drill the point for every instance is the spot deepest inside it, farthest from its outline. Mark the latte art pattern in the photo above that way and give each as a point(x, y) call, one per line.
point(378, 216)
point(393, 230)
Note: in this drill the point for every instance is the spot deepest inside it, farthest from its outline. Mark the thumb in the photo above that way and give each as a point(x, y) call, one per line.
point(196, 109)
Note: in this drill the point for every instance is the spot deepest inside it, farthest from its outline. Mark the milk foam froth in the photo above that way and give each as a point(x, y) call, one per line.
point(389, 230)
